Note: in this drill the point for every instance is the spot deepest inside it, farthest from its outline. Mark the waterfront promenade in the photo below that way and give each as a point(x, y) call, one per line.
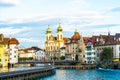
point(29, 74)
point(81, 67)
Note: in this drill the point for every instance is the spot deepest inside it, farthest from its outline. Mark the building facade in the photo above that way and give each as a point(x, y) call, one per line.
point(12, 45)
point(27, 53)
point(53, 44)
point(40, 55)
point(90, 55)
point(8, 50)
point(75, 48)
point(111, 41)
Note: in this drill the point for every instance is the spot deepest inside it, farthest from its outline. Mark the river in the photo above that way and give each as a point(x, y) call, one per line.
point(84, 75)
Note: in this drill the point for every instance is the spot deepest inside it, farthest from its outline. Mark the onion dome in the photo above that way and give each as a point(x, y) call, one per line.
point(75, 37)
point(48, 30)
point(11, 41)
point(59, 28)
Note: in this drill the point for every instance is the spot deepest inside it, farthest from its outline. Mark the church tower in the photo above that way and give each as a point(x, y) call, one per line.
point(59, 33)
point(48, 33)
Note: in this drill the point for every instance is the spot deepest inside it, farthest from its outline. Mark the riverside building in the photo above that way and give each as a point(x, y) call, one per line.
point(111, 41)
point(8, 50)
point(75, 48)
point(53, 44)
point(90, 54)
point(71, 48)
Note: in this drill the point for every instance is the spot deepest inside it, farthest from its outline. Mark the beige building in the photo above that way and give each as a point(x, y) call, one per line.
point(8, 51)
point(26, 53)
point(75, 48)
point(53, 44)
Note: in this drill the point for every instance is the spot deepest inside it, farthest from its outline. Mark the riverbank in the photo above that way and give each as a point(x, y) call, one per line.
point(82, 67)
point(27, 74)
point(110, 66)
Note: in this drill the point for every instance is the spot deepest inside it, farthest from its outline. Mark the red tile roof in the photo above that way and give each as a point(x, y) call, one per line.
point(11, 41)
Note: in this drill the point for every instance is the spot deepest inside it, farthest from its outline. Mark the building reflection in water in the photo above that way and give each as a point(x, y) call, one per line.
point(4, 69)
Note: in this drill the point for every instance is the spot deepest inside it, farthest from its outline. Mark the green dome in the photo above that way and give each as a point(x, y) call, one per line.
point(48, 30)
point(59, 28)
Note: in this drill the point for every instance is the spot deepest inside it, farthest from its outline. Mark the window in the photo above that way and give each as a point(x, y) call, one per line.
point(88, 53)
point(98, 55)
point(5, 59)
point(89, 58)
point(10, 59)
point(15, 51)
point(61, 36)
point(14, 56)
point(10, 53)
point(83, 55)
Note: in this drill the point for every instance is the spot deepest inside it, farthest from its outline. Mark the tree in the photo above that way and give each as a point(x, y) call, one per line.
point(62, 58)
point(106, 54)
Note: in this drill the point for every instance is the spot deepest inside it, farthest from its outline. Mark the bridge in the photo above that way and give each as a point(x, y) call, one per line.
point(56, 62)
point(29, 74)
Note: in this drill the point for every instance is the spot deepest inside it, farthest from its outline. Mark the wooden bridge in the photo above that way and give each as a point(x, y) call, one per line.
point(27, 74)
point(62, 62)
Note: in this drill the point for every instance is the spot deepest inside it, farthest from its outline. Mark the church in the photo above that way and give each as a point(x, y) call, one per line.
point(74, 47)
point(53, 44)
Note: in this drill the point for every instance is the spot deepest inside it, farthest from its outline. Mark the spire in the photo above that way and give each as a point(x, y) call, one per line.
point(76, 31)
point(108, 32)
point(48, 29)
point(59, 28)
point(10, 37)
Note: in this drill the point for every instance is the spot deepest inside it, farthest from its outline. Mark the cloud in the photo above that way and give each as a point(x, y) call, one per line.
point(115, 9)
point(30, 31)
point(28, 40)
point(8, 3)
point(84, 17)
point(75, 5)
point(101, 26)
point(112, 10)
point(13, 30)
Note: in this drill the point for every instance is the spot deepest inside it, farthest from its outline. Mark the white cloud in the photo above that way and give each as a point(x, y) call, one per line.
point(77, 4)
point(9, 2)
point(28, 40)
point(13, 31)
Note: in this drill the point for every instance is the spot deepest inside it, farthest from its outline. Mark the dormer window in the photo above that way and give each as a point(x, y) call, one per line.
point(97, 39)
point(114, 38)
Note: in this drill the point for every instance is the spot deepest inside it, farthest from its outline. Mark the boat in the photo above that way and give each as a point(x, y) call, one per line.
point(108, 69)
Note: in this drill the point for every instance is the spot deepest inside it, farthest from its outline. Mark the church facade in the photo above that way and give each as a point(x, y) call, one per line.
point(53, 44)
point(74, 47)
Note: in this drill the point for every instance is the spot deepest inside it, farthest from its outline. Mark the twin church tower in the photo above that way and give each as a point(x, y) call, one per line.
point(55, 47)
point(53, 44)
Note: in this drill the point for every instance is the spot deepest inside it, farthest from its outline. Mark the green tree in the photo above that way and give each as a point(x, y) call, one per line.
point(62, 58)
point(106, 54)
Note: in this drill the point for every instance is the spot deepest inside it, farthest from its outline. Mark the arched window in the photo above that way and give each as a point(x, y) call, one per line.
point(60, 36)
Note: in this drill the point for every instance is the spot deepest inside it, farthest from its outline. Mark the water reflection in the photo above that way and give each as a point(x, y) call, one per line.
point(4, 69)
point(83, 75)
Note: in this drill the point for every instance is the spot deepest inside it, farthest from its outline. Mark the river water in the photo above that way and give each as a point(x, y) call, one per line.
point(84, 75)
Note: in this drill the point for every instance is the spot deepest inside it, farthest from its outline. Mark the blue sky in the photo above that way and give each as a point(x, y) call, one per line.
point(27, 20)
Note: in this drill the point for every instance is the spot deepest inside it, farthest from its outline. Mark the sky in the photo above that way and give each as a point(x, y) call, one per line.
point(27, 20)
